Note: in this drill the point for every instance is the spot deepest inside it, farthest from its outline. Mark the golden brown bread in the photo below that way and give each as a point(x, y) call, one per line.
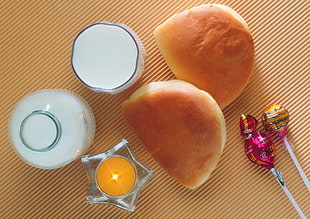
point(211, 47)
point(182, 127)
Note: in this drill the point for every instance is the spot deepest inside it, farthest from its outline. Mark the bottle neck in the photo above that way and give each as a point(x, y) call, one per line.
point(40, 131)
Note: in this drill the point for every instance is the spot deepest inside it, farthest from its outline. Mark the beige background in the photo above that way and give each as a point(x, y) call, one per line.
point(35, 48)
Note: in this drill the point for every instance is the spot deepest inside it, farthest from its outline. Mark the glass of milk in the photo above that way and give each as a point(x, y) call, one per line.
point(50, 128)
point(108, 57)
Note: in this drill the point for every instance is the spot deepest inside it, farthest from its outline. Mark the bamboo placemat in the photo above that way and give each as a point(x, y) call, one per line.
point(35, 48)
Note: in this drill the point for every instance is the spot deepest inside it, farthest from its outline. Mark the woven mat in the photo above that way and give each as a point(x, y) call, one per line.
point(35, 48)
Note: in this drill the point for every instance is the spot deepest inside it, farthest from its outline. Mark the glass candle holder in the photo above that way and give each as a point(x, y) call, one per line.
point(115, 177)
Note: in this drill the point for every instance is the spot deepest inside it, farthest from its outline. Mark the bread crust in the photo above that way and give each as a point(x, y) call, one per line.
point(210, 47)
point(182, 127)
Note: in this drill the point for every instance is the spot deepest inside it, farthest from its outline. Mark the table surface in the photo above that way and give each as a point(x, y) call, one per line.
point(35, 49)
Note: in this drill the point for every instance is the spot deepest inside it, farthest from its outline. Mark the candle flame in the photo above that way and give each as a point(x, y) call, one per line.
point(115, 176)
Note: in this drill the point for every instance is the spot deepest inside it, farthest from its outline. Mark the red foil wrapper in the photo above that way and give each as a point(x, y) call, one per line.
point(258, 147)
point(248, 125)
point(260, 150)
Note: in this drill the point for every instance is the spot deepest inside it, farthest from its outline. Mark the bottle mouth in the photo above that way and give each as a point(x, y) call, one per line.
point(40, 131)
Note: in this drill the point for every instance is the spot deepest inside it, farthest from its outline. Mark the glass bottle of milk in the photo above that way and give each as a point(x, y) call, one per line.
point(50, 128)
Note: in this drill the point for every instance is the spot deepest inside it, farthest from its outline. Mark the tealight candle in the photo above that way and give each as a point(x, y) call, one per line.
point(116, 176)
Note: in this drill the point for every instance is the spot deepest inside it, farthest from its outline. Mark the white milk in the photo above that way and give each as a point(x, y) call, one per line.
point(107, 57)
point(51, 128)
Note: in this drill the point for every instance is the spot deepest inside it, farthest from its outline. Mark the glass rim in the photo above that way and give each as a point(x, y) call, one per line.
point(53, 119)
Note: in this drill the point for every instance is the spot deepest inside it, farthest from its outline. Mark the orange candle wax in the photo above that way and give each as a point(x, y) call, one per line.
point(116, 176)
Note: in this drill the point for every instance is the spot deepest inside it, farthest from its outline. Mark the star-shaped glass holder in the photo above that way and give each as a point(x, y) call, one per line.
point(97, 196)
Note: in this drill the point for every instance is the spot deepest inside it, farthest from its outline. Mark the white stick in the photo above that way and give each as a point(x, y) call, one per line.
point(278, 175)
point(289, 195)
point(301, 172)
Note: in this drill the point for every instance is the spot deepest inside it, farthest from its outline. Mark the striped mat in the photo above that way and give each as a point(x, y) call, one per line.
point(35, 49)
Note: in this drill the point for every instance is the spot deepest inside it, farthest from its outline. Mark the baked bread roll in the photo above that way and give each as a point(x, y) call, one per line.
point(211, 47)
point(181, 126)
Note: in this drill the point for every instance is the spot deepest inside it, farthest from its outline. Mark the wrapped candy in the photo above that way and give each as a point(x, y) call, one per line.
point(275, 119)
point(260, 149)
point(258, 146)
